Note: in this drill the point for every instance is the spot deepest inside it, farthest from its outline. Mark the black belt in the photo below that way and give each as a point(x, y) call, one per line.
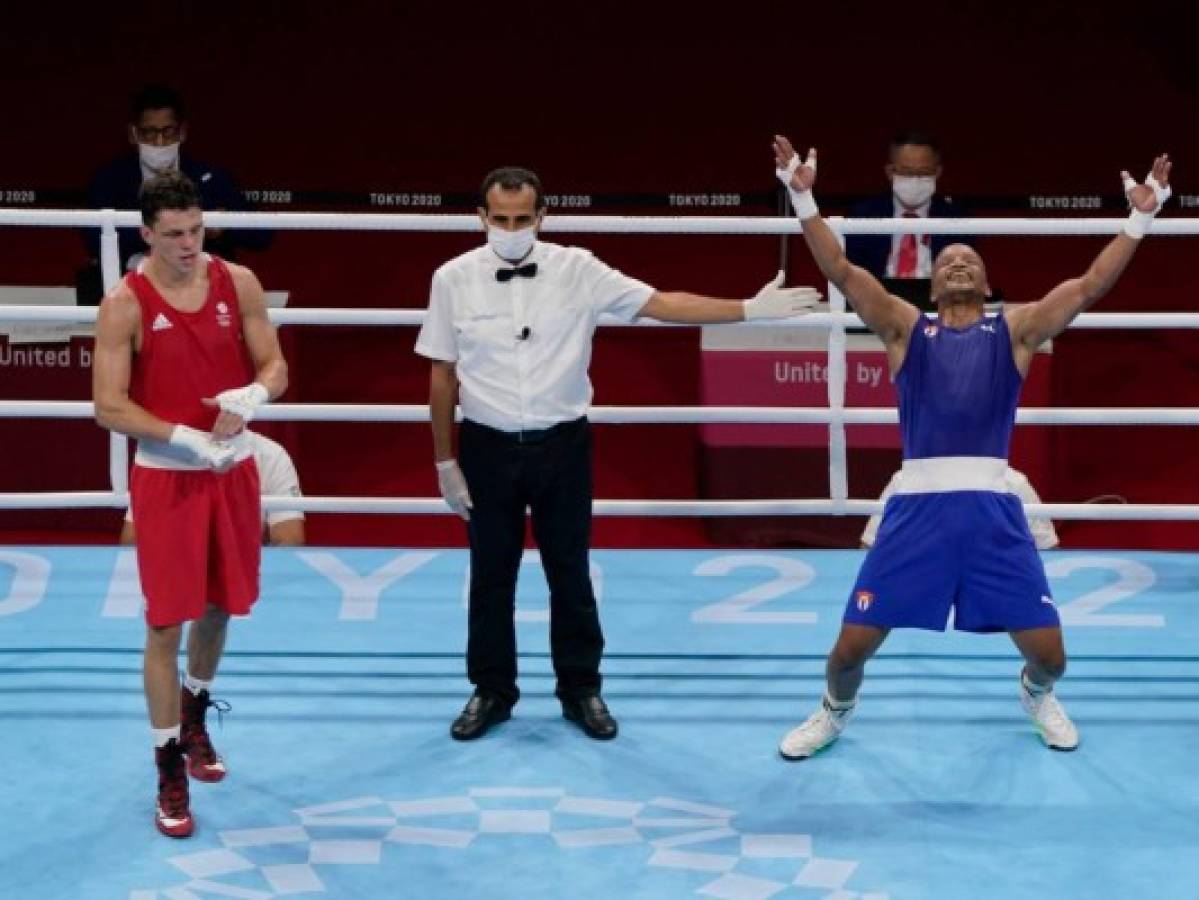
point(528, 436)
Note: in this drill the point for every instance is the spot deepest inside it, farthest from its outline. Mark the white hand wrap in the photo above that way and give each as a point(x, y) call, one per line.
point(777, 302)
point(802, 201)
point(786, 173)
point(243, 401)
point(207, 452)
point(1161, 193)
point(804, 204)
point(1137, 224)
point(453, 487)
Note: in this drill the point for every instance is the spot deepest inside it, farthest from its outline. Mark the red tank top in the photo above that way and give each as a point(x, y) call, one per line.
point(186, 356)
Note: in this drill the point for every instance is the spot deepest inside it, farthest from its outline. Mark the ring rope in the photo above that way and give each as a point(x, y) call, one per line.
point(836, 321)
point(650, 415)
point(647, 508)
point(82, 315)
point(571, 224)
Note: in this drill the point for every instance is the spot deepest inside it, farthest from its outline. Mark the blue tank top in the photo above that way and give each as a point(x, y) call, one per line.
point(958, 390)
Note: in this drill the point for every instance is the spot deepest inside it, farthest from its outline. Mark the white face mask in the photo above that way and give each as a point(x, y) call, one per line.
point(159, 159)
point(512, 246)
point(914, 190)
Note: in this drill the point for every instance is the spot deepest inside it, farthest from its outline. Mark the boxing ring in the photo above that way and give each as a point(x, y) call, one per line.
point(344, 782)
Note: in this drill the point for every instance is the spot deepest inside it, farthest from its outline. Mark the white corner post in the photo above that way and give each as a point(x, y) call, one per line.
point(118, 444)
point(838, 479)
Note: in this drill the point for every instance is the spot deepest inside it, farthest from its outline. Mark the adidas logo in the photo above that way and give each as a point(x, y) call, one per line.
point(162, 323)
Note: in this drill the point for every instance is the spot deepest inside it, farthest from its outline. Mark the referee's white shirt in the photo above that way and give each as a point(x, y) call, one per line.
point(514, 383)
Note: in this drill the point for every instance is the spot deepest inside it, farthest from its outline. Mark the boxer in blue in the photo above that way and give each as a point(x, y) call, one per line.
point(954, 537)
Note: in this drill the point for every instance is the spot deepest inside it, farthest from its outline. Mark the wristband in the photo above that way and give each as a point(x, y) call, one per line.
point(187, 437)
point(1137, 224)
point(804, 203)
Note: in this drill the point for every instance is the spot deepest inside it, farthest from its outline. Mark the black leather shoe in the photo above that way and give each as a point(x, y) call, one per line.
point(480, 713)
point(592, 716)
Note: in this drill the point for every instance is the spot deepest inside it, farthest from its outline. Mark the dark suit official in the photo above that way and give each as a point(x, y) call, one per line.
point(881, 254)
point(116, 186)
point(913, 169)
point(157, 133)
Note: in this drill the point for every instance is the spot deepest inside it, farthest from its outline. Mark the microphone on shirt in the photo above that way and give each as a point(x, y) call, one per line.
point(524, 333)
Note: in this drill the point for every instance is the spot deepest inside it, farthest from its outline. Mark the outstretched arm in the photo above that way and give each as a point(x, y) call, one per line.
point(885, 314)
point(1035, 323)
point(773, 301)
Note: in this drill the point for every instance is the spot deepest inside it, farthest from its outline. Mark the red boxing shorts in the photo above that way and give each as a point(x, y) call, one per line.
point(199, 540)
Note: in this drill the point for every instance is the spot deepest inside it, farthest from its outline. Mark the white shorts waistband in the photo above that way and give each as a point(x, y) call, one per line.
point(162, 455)
point(942, 474)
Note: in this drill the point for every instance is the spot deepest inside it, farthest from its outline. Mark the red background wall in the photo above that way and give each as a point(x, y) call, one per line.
point(1050, 98)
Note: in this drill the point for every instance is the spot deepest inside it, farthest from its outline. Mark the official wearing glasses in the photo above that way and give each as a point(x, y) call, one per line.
point(157, 131)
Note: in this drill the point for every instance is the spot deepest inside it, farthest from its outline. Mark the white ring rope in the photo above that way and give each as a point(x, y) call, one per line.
point(835, 321)
point(835, 376)
point(651, 415)
point(82, 315)
point(570, 224)
point(648, 508)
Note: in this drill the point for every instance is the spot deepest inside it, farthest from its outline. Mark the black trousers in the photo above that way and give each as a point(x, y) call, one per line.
point(549, 473)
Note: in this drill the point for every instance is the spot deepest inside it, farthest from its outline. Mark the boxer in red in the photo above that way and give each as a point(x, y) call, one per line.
point(185, 354)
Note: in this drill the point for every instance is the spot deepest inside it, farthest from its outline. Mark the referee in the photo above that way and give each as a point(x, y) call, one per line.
point(509, 332)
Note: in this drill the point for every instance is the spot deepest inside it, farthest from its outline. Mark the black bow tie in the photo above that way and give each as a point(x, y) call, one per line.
point(528, 270)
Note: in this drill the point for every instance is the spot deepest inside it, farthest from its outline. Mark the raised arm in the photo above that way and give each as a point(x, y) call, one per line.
point(1033, 324)
point(888, 316)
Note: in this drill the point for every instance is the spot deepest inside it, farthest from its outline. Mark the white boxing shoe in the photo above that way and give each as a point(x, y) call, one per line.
point(821, 728)
point(1049, 717)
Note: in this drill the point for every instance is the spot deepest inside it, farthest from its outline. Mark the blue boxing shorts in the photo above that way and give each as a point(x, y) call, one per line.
point(969, 551)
